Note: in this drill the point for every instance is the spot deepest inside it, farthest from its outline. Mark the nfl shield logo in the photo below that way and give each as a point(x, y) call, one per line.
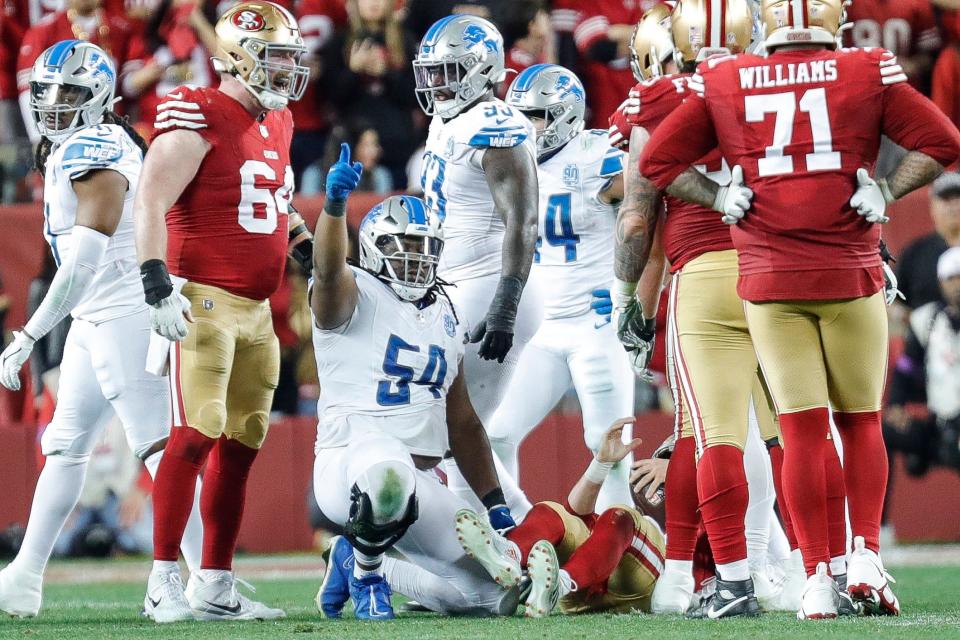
point(571, 175)
point(448, 152)
point(448, 325)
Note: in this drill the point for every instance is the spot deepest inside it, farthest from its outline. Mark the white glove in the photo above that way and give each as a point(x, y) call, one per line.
point(871, 198)
point(169, 317)
point(733, 201)
point(890, 290)
point(13, 358)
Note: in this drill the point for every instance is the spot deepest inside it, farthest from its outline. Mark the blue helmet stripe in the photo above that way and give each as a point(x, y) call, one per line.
point(434, 31)
point(415, 209)
point(59, 52)
point(526, 78)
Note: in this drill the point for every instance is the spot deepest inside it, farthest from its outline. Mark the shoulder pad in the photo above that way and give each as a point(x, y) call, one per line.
point(181, 109)
point(99, 147)
point(493, 124)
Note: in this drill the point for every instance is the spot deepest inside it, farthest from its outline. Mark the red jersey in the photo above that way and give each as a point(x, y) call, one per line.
point(800, 124)
point(318, 19)
point(904, 27)
point(689, 230)
point(228, 228)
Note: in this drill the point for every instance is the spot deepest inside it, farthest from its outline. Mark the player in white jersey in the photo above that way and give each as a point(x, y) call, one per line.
point(580, 178)
point(479, 177)
point(91, 161)
point(393, 402)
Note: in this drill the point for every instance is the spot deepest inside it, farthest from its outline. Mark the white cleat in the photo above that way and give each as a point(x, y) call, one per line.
point(673, 593)
point(213, 595)
point(821, 597)
point(165, 600)
point(868, 583)
point(20, 595)
point(496, 554)
point(791, 596)
point(548, 582)
point(768, 590)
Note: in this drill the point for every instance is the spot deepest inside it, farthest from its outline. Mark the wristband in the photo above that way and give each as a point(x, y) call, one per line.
point(598, 471)
point(494, 499)
point(335, 208)
point(503, 309)
point(885, 190)
point(718, 201)
point(156, 281)
point(622, 292)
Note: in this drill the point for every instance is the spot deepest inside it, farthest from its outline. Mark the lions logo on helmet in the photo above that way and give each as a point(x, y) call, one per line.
point(400, 242)
point(475, 34)
point(554, 95)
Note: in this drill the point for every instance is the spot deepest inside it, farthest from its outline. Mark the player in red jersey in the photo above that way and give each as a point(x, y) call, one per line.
point(213, 208)
point(803, 128)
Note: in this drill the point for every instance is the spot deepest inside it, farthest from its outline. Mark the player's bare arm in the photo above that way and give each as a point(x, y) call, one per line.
point(100, 196)
point(583, 496)
point(693, 186)
point(334, 295)
point(915, 170)
point(512, 177)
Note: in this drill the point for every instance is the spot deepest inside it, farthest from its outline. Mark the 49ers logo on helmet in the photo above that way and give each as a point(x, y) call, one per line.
point(248, 20)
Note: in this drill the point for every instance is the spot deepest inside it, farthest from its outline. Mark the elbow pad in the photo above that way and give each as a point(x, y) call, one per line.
point(300, 245)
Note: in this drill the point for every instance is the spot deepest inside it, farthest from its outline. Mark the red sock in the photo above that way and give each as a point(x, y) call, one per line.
point(805, 481)
point(541, 523)
point(221, 501)
point(174, 488)
point(722, 486)
point(594, 561)
point(776, 462)
point(864, 472)
point(682, 501)
point(836, 502)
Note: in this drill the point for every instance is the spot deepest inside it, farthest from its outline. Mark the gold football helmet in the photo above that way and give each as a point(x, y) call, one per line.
point(651, 44)
point(702, 28)
point(259, 43)
point(802, 21)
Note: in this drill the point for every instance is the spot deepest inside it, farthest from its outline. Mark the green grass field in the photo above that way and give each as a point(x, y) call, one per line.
point(110, 610)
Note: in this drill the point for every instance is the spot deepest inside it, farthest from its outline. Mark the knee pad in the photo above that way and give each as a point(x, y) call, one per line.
point(383, 505)
point(67, 458)
point(211, 418)
point(251, 429)
point(53, 444)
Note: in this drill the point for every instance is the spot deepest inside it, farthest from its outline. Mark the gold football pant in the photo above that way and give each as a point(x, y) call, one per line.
point(224, 372)
point(822, 353)
point(630, 586)
point(711, 360)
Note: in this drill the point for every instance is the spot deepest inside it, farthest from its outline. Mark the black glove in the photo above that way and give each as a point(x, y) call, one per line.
point(496, 330)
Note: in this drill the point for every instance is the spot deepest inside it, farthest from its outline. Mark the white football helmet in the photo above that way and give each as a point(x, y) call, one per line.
point(556, 95)
point(72, 85)
point(400, 242)
point(459, 58)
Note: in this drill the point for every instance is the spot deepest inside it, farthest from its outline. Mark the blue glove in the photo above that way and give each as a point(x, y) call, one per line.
point(500, 519)
point(602, 305)
point(343, 176)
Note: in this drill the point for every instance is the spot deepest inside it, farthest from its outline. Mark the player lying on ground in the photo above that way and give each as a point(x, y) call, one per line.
point(394, 401)
point(585, 561)
point(91, 161)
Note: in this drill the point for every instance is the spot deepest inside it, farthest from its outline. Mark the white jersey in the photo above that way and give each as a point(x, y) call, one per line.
point(455, 187)
point(115, 290)
point(575, 246)
point(388, 369)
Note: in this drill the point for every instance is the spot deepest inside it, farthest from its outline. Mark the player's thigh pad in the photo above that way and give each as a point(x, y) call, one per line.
point(575, 531)
point(141, 400)
point(256, 372)
point(713, 353)
point(201, 364)
point(855, 342)
point(81, 411)
point(786, 336)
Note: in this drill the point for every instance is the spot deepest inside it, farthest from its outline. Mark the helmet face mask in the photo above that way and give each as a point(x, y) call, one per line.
point(259, 43)
point(72, 85)
point(459, 60)
point(554, 96)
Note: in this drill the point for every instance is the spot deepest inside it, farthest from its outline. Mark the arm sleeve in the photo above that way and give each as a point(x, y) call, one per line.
point(71, 282)
point(686, 136)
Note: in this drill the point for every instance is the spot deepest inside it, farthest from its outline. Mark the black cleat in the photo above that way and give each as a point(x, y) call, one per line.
point(732, 599)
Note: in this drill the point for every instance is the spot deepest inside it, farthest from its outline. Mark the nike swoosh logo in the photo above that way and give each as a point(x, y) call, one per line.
point(234, 609)
point(502, 121)
point(154, 603)
point(602, 323)
point(713, 614)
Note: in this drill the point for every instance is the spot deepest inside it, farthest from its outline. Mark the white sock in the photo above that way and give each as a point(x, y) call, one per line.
point(191, 545)
point(516, 499)
point(779, 549)
point(679, 566)
point(838, 566)
point(367, 565)
point(756, 522)
point(567, 584)
point(57, 493)
point(458, 486)
point(163, 566)
point(425, 587)
point(509, 454)
point(733, 571)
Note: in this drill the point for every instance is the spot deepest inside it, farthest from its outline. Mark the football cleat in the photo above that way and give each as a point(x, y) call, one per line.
point(791, 597)
point(371, 598)
point(335, 588)
point(20, 595)
point(547, 582)
point(732, 599)
point(821, 597)
point(496, 554)
point(868, 583)
point(847, 606)
point(166, 600)
point(768, 590)
point(213, 595)
point(673, 593)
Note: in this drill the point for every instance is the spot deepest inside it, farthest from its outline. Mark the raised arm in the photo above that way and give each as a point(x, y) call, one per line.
point(334, 295)
point(583, 496)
